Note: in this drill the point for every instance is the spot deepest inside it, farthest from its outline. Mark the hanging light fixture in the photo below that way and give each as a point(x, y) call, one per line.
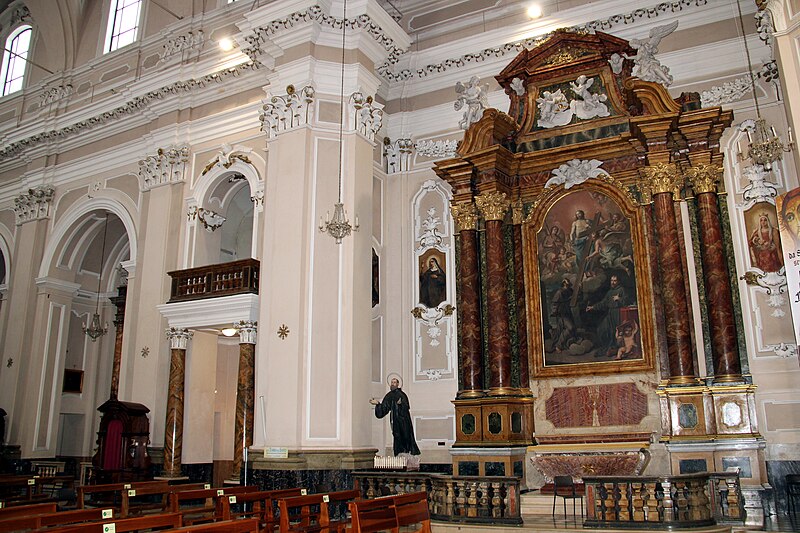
point(765, 146)
point(95, 330)
point(339, 226)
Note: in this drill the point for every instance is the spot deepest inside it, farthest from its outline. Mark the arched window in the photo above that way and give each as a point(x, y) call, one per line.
point(15, 58)
point(123, 23)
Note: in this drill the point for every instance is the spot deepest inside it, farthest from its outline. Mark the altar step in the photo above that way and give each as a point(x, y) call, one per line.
point(535, 503)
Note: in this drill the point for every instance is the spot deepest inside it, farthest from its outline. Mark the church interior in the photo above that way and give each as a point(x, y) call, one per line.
point(559, 239)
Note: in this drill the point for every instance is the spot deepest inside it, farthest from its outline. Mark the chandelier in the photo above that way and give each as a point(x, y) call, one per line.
point(339, 226)
point(765, 146)
point(96, 330)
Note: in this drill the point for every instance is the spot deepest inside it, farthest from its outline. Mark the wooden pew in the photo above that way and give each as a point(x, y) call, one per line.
point(156, 521)
point(113, 489)
point(132, 503)
point(391, 513)
point(264, 506)
point(249, 525)
point(54, 519)
point(27, 510)
point(185, 502)
point(312, 513)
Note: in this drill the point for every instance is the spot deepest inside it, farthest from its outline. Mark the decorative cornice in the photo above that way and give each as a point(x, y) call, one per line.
point(660, 178)
point(287, 111)
point(33, 205)
point(367, 115)
point(493, 205)
point(248, 331)
point(465, 215)
point(164, 168)
point(178, 338)
point(131, 107)
point(437, 149)
point(181, 43)
point(704, 177)
point(397, 154)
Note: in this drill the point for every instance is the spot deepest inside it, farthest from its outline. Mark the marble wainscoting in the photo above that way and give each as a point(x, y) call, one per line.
point(315, 470)
point(776, 473)
point(198, 473)
point(587, 460)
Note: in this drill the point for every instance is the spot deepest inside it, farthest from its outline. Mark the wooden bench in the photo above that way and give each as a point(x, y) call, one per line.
point(390, 513)
point(54, 519)
point(264, 505)
point(132, 498)
point(249, 525)
point(149, 522)
point(27, 510)
point(185, 502)
point(312, 513)
point(113, 489)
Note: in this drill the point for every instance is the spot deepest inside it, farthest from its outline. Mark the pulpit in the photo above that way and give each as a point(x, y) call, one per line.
point(122, 443)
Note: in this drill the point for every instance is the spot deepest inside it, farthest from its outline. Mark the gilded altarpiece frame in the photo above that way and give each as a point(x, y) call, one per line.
point(558, 203)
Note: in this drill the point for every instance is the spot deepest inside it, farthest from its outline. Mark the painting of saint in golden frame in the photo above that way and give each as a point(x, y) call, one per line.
point(588, 283)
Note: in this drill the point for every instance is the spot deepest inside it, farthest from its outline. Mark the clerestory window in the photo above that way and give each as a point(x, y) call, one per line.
point(123, 23)
point(15, 59)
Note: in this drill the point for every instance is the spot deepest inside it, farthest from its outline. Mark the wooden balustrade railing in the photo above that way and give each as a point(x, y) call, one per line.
point(470, 499)
point(664, 502)
point(224, 279)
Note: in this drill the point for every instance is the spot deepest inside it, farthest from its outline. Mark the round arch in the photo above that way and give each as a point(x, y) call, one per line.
point(208, 181)
point(83, 208)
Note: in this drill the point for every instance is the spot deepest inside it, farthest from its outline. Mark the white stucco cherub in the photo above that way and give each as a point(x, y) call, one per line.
point(554, 110)
point(473, 96)
point(587, 105)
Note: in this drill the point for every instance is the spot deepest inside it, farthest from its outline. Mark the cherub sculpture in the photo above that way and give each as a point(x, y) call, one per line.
point(588, 105)
point(473, 95)
point(645, 65)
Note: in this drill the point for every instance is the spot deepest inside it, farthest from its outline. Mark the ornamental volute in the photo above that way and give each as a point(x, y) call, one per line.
point(493, 205)
point(704, 177)
point(465, 215)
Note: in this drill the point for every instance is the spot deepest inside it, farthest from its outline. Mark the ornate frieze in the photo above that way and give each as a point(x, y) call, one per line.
point(131, 107)
point(188, 41)
point(54, 94)
point(367, 116)
point(287, 111)
point(493, 206)
point(34, 204)
point(210, 220)
point(227, 156)
point(248, 331)
point(465, 215)
point(474, 98)
point(178, 338)
point(575, 172)
point(437, 149)
point(704, 178)
point(164, 168)
point(397, 154)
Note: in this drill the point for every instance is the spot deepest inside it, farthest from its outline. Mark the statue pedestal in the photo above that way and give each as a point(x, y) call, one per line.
point(489, 462)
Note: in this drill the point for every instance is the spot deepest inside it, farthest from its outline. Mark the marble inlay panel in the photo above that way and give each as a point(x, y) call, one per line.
point(616, 404)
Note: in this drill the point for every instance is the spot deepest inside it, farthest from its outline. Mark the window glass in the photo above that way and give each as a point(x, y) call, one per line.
point(123, 23)
point(15, 59)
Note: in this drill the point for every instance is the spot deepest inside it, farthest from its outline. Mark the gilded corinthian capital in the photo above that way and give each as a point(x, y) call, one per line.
point(661, 178)
point(493, 205)
point(704, 177)
point(465, 215)
point(517, 212)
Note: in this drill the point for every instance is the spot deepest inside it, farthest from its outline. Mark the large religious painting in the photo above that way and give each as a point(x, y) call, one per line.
point(589, 283)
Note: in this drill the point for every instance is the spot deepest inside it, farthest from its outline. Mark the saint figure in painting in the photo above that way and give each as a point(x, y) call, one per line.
point(432, 284)
point(615, 298)
point(790, 214)
point(765, 244)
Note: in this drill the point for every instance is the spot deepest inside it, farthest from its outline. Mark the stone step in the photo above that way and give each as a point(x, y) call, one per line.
point(535, 503)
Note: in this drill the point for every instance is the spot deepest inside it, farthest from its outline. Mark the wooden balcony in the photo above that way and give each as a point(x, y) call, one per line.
point(212, 281)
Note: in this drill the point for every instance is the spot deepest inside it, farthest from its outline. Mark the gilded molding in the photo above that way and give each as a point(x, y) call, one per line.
point(517, 212)
point(493, 205)
point(704, 177)
point(660, 178)
point(465, 215)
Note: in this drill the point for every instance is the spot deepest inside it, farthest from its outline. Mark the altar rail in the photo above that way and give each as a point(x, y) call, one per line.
point(469, 499)
point(664, 502)
point(224, 279)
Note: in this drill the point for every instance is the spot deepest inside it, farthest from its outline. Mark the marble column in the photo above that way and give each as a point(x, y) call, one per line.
point(517, 216)
point(243, 431)
point(173, 437)
point(722, 326)
point(493, 207)
point(662, 181)
point(119, 323)
point(469, 290)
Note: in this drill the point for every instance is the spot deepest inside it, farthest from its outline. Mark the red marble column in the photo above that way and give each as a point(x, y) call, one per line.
point(493, 207)
point(517, 216)
point(722, 325)
point(119, 323)
point(662, 180)
point(245, 392)
point(173, 437)
point(466, 218)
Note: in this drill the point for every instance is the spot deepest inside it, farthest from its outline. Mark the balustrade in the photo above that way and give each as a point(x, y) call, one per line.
point(225, 279)
point(470, 499)
point(664, 502)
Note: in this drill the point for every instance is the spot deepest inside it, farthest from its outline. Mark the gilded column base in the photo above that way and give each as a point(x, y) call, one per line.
point(684, 380)
point(507, 391)
point(732, 378)
point(467, 394)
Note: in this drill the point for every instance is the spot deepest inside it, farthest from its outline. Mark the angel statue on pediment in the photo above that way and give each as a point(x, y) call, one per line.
point(474, 96)
point(554, 109)
point(645, 65)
